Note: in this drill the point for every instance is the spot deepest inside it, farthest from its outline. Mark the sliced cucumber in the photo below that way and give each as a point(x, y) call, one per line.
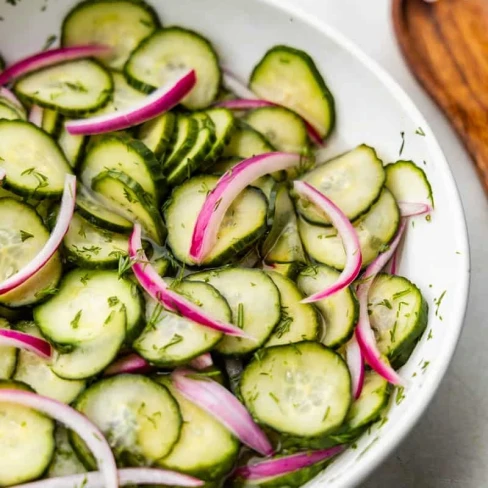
point(193, 159)
point(96, 213)
point(339, 312)
point(205, 449)
point(186, 133)
point(121, 153)
point(72, 88)
point(127, 198)
point(244, 223)
point(26, 442)
point(157, 133)
point(34, 163)
point(283, 244)
point(301, 389)
point(299, 321)
point(255, 303)
point(353, 181)
point(284, 129)
point(408, 182)
point(375, 230)
point(8, 111)
point(139, 417)
point(167, 53)
point(84, 302)
point(398, 315)
point(246, 142)
point(91, 356)
point(288, 270)
point(224, 124)
point(51, 121)
point(120, 24)
point(72, 146)
point(169, 339)
point(65, 461)
point(38, 374)
point(88, 246)
point(289, 77)
point(22, 236)
point(8, 356)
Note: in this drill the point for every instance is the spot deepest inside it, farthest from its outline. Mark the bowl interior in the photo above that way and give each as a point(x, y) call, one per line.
point(372, 109)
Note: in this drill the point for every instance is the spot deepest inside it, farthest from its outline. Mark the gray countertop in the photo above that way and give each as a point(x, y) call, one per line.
point(449, 446)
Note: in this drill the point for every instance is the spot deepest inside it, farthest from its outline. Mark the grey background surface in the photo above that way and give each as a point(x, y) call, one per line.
point(449, 446)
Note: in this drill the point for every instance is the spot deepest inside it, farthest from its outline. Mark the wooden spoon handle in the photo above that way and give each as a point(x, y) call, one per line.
point(446, 45)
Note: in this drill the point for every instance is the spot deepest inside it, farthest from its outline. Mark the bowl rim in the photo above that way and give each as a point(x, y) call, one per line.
point(395, 435)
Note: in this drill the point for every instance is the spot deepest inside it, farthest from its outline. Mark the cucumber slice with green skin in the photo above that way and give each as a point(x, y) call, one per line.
point(138, 416)
point(14, 314)
point(73, 146)
point(85, 300)
point(38, 374)
point(97, 214)
point(340, 312)
point(299, 321)
point(224, 124)
point(65, 461)
point(301, 389)
point(288, 270)
point(255, 303)
point(205, 449)
point(408, 182)
point(169, 339)
point(203, 121)
point(73, 88)
point(243, 224)
point(51, 121)
point(34, 163)
point(22, 236)
point(9, 112)
point(27, 441)
point(246, 142)
point(375, 230)
point(353, 181)
point(186, 133)
point(8, 356)
point(168, 52)
point(398, 315)
point(289, 77)
point(121, 24)
point(284, 129)
point(157, 133)
point(127, 198)
point(90, 247)
point(122, 153)
point(193, 159)
point(91, 356)
point(283, 244)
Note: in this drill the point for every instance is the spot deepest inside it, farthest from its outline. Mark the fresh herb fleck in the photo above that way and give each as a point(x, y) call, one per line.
point(84, 279)
point(274, 397)
point(240, 316)
point(438, 301)
point(76, 321)
point(420, 132)
point(25, 235)
point(400, 396)
point(402, 135)
point(112, 301)
point(49, 42)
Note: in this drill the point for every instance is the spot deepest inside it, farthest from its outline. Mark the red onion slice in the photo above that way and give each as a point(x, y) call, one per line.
point(156, 287)
point(50, 58)
point(64, 218)
point(128, 476)
point(21, 340)
point(411, 209)
point(202, 362)
point(10, 96)
point(35, 115)
point(355, 363)
point(364, 333)
point(221, 404)
point(230, 185)
point(348, 234)
point(283, 465)
point(162, 100)
point(131, 364)
point(75, 421)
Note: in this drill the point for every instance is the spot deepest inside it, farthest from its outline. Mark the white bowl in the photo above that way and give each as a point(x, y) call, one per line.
point(371, 108)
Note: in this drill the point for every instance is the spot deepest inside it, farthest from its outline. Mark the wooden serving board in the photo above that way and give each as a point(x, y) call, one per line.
point(445, 44)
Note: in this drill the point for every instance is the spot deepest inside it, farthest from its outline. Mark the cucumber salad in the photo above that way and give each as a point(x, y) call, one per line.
point(190, 295)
